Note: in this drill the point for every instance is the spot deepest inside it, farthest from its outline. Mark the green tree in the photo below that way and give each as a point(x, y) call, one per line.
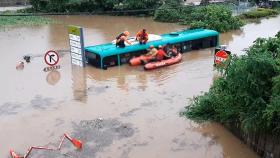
point(217, 17)
point(57, 5)
point(35, 4)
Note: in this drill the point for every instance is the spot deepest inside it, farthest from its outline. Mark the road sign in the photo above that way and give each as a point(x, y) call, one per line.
point(220, 57)
point(76, 41)
point(51, 58)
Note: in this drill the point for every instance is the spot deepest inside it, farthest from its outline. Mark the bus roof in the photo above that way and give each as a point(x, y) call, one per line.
point(110, 49)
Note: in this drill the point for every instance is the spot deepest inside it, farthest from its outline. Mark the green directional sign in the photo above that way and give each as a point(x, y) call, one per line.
point(74, 30)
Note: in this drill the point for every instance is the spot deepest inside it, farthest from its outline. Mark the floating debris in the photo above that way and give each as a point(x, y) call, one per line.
point(20, 65)
point(27, 58)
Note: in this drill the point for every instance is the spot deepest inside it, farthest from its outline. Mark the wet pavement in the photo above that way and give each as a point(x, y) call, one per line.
point(121, 112)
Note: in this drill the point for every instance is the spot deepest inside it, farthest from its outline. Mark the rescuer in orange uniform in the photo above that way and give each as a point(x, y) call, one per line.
point(142, 36)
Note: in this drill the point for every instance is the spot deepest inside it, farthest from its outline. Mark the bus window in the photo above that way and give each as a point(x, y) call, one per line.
point(186, 46)
point(206, 42)
point(179, 47)
point(110, 61)
point(125, 58)
point(209, 42)
point(214, 41)
point(196, 44)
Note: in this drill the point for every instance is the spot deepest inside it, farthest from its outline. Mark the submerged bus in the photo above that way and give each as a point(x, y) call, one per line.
point(107, 55)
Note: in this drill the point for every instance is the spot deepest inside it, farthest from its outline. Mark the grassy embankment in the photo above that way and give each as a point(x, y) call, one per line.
point(256, 15)
point(8, 21)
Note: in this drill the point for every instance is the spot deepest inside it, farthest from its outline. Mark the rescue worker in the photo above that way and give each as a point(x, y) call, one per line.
point(121, 39)
point(142, 36)
point(161, 54)
point(152, 51)
point(173, 51)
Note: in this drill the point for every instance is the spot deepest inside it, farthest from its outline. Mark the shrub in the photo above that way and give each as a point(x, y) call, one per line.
point(167, 13)
point(215, 17)
point(249, 92)
point(92, 5)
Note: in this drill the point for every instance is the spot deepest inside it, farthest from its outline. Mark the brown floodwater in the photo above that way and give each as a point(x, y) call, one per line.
point(37, 107)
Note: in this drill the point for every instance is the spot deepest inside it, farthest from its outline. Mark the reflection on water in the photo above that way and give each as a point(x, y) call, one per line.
point(142, 80)
point(266, 28)
point(149, 100)
point(227, 37)
point(79, 84)
point(215, 132)
point(53, 77)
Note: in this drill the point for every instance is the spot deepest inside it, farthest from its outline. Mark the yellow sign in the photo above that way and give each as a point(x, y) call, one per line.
point(74, 30)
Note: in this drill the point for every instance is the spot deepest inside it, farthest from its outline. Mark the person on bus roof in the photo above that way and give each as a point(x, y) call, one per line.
point(142, 36)
point(121, 39)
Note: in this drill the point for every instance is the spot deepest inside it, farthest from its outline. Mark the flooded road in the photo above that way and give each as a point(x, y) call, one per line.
point(119, 113)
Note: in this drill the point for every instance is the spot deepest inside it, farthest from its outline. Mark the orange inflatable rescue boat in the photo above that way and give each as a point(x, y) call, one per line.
point(167, 62)
point(138, 60)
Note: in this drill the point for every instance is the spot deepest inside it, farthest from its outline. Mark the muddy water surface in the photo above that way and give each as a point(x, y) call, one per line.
point(121, 112)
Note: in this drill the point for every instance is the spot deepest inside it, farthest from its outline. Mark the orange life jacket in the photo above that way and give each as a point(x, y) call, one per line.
point(142, 35)
point(160, 54)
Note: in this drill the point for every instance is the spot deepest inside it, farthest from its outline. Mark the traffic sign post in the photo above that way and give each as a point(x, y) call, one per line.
point(51, 58)
point(221, 57)
point(76, 41)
